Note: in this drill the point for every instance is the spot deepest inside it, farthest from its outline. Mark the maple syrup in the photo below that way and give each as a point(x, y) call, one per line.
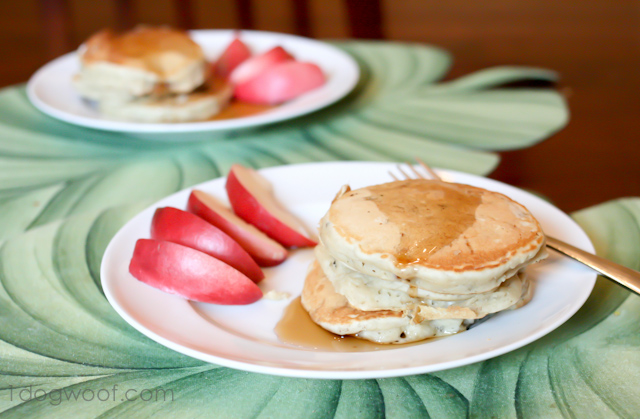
point(431, 215)
point(297, 329)
point(237, 109)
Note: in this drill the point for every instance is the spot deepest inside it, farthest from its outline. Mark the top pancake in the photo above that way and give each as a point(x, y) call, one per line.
point(144, 61)
point(439, 236)
point(162, 50)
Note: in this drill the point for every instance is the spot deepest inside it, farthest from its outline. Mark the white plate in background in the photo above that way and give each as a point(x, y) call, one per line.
point(51, 91)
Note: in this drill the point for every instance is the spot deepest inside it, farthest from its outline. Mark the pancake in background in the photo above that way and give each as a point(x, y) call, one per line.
point(200, 105)
point(144, 61)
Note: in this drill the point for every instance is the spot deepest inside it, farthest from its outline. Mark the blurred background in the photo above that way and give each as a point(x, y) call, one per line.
point(593, 44)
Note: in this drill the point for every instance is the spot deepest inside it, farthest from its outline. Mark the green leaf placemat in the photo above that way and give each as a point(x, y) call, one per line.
point(66, 190)
point(65, 354)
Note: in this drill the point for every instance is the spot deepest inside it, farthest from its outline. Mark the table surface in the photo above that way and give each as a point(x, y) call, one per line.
point(592, 44)
point(65, 190)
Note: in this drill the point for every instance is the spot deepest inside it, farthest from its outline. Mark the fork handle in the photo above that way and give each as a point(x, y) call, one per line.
point(618, 273)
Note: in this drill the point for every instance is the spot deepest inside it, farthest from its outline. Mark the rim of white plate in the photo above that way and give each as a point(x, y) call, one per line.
point(203, 331)
point(50, 89)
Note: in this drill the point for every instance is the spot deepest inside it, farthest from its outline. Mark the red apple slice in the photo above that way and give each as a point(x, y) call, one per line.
point(181, 227)
point(187, 272)
point(280, 83)
point(251, 197)
point(259, 64)
point(235, 54)
point(264, 250)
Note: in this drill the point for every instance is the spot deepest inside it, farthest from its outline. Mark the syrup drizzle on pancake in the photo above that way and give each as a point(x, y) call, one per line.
point(159, 50)
point(430, 216)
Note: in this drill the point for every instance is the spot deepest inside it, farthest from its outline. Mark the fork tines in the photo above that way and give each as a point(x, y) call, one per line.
point(429, 170)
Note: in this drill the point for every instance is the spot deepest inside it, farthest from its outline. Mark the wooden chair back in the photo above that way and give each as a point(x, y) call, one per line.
point(364, 19)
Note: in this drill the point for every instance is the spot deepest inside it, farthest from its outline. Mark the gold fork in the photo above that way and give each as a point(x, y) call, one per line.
point(621, 274)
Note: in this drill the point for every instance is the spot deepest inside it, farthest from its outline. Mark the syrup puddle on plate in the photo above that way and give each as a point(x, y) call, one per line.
point(297, 329)
point(237, 109)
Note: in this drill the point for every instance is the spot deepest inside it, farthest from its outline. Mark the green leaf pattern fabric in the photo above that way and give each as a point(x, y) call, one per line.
point(65, 191)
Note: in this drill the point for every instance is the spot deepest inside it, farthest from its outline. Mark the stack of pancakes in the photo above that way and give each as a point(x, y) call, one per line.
point(150, 74)
point(409, 260)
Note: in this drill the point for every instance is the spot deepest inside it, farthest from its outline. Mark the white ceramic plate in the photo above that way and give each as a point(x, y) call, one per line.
point(242, 337)
point(51, 91)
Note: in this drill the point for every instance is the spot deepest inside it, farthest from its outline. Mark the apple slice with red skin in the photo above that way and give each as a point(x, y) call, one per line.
point(181, 227)
point(190, 273)
point(264, 250)
point(235, 54)
point(251, 197)
point(280, 83)
point(259, 64)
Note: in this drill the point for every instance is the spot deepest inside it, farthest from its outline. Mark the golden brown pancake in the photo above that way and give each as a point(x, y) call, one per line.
point(407, 260)
point(200, 105)
point(443, 237)
point(366, 292)
point(332, 311)
point(160, 50)
point(145, 62)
